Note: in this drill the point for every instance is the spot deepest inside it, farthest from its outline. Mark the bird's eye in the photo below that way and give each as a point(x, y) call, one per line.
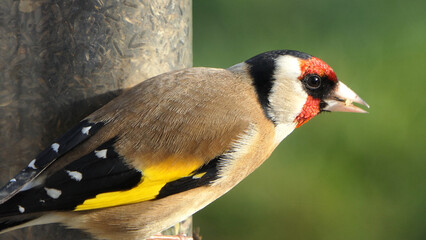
point(313, 81)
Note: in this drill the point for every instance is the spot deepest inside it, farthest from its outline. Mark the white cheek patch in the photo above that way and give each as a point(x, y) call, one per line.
point(287, 67)
point(287, 96)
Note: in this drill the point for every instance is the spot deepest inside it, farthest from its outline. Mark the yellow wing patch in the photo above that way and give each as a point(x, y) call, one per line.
point(153, 180)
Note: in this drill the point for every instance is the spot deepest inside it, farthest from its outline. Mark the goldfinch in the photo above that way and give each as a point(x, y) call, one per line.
point(169, 146)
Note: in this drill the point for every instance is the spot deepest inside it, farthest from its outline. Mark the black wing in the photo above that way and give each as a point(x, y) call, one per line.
point(102, 170)
point(67, 142)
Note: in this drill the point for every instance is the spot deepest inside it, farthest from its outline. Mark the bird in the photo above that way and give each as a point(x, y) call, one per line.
point(169, 146)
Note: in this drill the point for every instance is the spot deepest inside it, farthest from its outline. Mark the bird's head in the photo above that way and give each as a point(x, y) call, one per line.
point(293, 87)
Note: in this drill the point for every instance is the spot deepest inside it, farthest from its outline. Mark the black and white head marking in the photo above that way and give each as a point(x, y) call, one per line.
point(263, 68)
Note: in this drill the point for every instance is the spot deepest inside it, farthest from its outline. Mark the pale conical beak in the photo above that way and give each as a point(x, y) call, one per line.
point(341, 100)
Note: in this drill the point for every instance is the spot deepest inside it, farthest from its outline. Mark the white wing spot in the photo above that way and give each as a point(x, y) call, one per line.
point(21, 209)
point(42, 201)
point(53, 193)
point(101, 153)
point(55, 147)
point(12, 180)
point(85, 130)
point(75, 175)
point(32, 164)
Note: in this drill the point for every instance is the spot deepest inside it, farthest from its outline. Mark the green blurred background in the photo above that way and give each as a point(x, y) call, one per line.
point(342, 175)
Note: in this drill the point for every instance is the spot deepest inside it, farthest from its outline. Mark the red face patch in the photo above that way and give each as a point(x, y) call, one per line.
point(316, 66)
point(309, 110)
point(312, 66)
